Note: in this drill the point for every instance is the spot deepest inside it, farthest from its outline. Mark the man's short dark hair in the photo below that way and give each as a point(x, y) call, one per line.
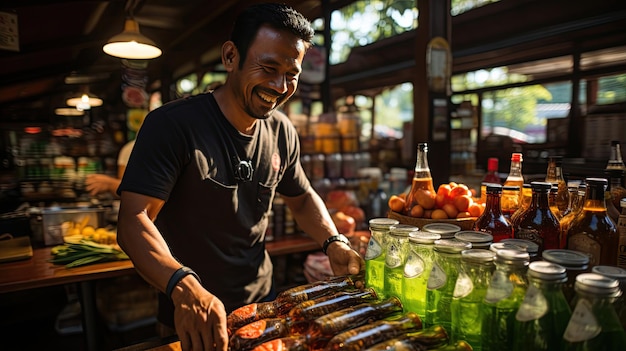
point(278, 16)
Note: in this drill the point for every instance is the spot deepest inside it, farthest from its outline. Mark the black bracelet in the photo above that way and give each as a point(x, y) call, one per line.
point(331, 239)
point(178, 276)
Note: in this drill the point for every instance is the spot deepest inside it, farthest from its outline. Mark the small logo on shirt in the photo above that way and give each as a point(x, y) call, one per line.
point(275, 162)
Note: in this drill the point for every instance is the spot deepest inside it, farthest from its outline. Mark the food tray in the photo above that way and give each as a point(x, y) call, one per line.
point(53, 220)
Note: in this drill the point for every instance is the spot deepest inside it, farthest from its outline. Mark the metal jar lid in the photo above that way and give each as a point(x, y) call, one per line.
point(570, 259)
point(422, 237)
point(446, 230)
point(402, 230)
point(474, 237)
point(611, 272)
point(502, 246)
point(478, 255)
point(451, 245)
point(530, 246)
point(545, 270)
point(512, 257)
point(597, 284)
point(382, 223)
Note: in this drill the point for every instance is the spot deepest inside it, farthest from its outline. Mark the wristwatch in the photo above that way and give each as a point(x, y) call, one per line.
point(331, 239)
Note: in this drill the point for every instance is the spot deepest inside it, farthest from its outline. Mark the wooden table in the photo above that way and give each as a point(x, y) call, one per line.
point(38, 272)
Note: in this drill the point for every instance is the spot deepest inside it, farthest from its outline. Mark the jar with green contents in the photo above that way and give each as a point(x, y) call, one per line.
point(543, 315)
point(574, 262)
point(397, 249)
point(618, 274)
point(504, 296)
point(469, 292)
point(417, 268)
point(376, 252)
point(442, 279)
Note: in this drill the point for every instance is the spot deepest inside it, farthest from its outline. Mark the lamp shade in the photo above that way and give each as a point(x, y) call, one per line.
point(85, 102)
point(131, 44)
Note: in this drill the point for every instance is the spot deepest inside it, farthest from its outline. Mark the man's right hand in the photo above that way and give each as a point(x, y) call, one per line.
point(199, 317)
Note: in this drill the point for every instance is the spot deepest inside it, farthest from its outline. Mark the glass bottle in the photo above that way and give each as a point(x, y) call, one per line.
point(287, 299)
point(621, 229)
point(529, 246)
point(576, 209)
point(426, 339)
point(612, 210)
point(422, 179)
point(515, 176)
point(419, 263)
point(397, 249)
point(554, 176)
point(543, 315)
point(460, 345)
point(479, 240)
point(594, 324)
point(618, 274)
point(526, 197)
point(372, 333)
point(538, 224)
point(323, 328)
point(376, 253)
point(492, 220)
point(616, 186)
point(592, 231)
point(286, 343)
point(304, 312)
point(469, 292)
point(615, 160)
point(256, 333)
point(510, 201)
point(491, 176)
point(554, 191)
point(250, 313)
point(505, 293)
point(442, 279)
point(574, 262)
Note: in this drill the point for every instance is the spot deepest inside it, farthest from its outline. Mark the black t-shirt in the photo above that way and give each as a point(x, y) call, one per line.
point(185, 153)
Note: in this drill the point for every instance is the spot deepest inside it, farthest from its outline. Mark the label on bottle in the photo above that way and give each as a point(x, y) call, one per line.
point(583, 243)
point(530, 234)
point(464, 286)
point(534, 306)
point(499, 288)
point(583, 325)
point(393, 258)
point(374, 249)
point(414, 265)
point(437, 277)
point(621, 252)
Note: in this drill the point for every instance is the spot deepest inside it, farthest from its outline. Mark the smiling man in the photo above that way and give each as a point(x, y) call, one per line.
point(199, 185)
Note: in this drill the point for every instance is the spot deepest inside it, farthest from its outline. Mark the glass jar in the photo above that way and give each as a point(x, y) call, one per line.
point(445, 230)
point(419, 263)
point(479, 240)
point(397, 249)
point(376, 253)
point(574, 263)
point(531, 247)
point(618, 274)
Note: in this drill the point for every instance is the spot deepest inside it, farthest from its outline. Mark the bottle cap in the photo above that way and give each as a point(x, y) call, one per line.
point(508, 246)
point(512, 257)
point(611, 272)
point(597, 284)
point(478, 255)
point(570, 259)
point(451, 245)
point(516, 157)
point(530, 246)
point(545, 270)
point(402, 229)
point(382, 223)
point(541, 186)
point(494, 188)
point(446, 230)
point(422, 237)
point(473, 236)
point(511, 188)
point(492, 164)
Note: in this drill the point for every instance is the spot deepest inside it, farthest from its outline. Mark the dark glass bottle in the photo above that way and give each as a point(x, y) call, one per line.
point(287, 299)
point(526, 196)
point(554, 176)
point(552, 202)
point(576, 209)
point(250, 313)
point(426, 339)
point(256, 333)
point(422, 179)
point(615, 160)
point(592, 231)
point(574, 262)
point(543, 315)
point(594, 324)
point(492, 220)
point(614, 189)
point(538, 224)
point(286, 343)
point(304, 312)
point(370, 334)
point(323, 328)
point(505, 293)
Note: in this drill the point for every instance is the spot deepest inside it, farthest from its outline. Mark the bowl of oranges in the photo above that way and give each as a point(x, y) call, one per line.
point(451, 203)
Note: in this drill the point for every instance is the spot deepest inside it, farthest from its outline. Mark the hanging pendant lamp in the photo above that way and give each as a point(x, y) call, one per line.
point(131, 44)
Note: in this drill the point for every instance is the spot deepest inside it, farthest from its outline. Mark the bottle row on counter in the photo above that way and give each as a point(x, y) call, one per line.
point(504, 295)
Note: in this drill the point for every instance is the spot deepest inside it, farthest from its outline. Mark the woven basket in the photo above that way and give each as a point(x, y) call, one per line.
point(464, 223)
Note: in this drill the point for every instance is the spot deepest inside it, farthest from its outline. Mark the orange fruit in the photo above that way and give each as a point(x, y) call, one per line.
point(444, 189)
point(464, 214)
point(475, 209)
point(417, 211)
point(425, 198)
point(450, 210)
point(396, 203)
point(439, 214)
point(459, 190)
point(462, 203)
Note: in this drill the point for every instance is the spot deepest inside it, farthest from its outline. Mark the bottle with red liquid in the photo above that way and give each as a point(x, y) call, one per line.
point(492, 220)
point(490, 177)
point(422, 187)
point(538, 224)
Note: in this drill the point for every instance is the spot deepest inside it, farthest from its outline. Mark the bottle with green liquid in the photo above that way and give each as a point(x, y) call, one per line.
point(376, 253)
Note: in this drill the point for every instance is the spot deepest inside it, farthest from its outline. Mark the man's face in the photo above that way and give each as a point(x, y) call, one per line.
point(269, 76)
